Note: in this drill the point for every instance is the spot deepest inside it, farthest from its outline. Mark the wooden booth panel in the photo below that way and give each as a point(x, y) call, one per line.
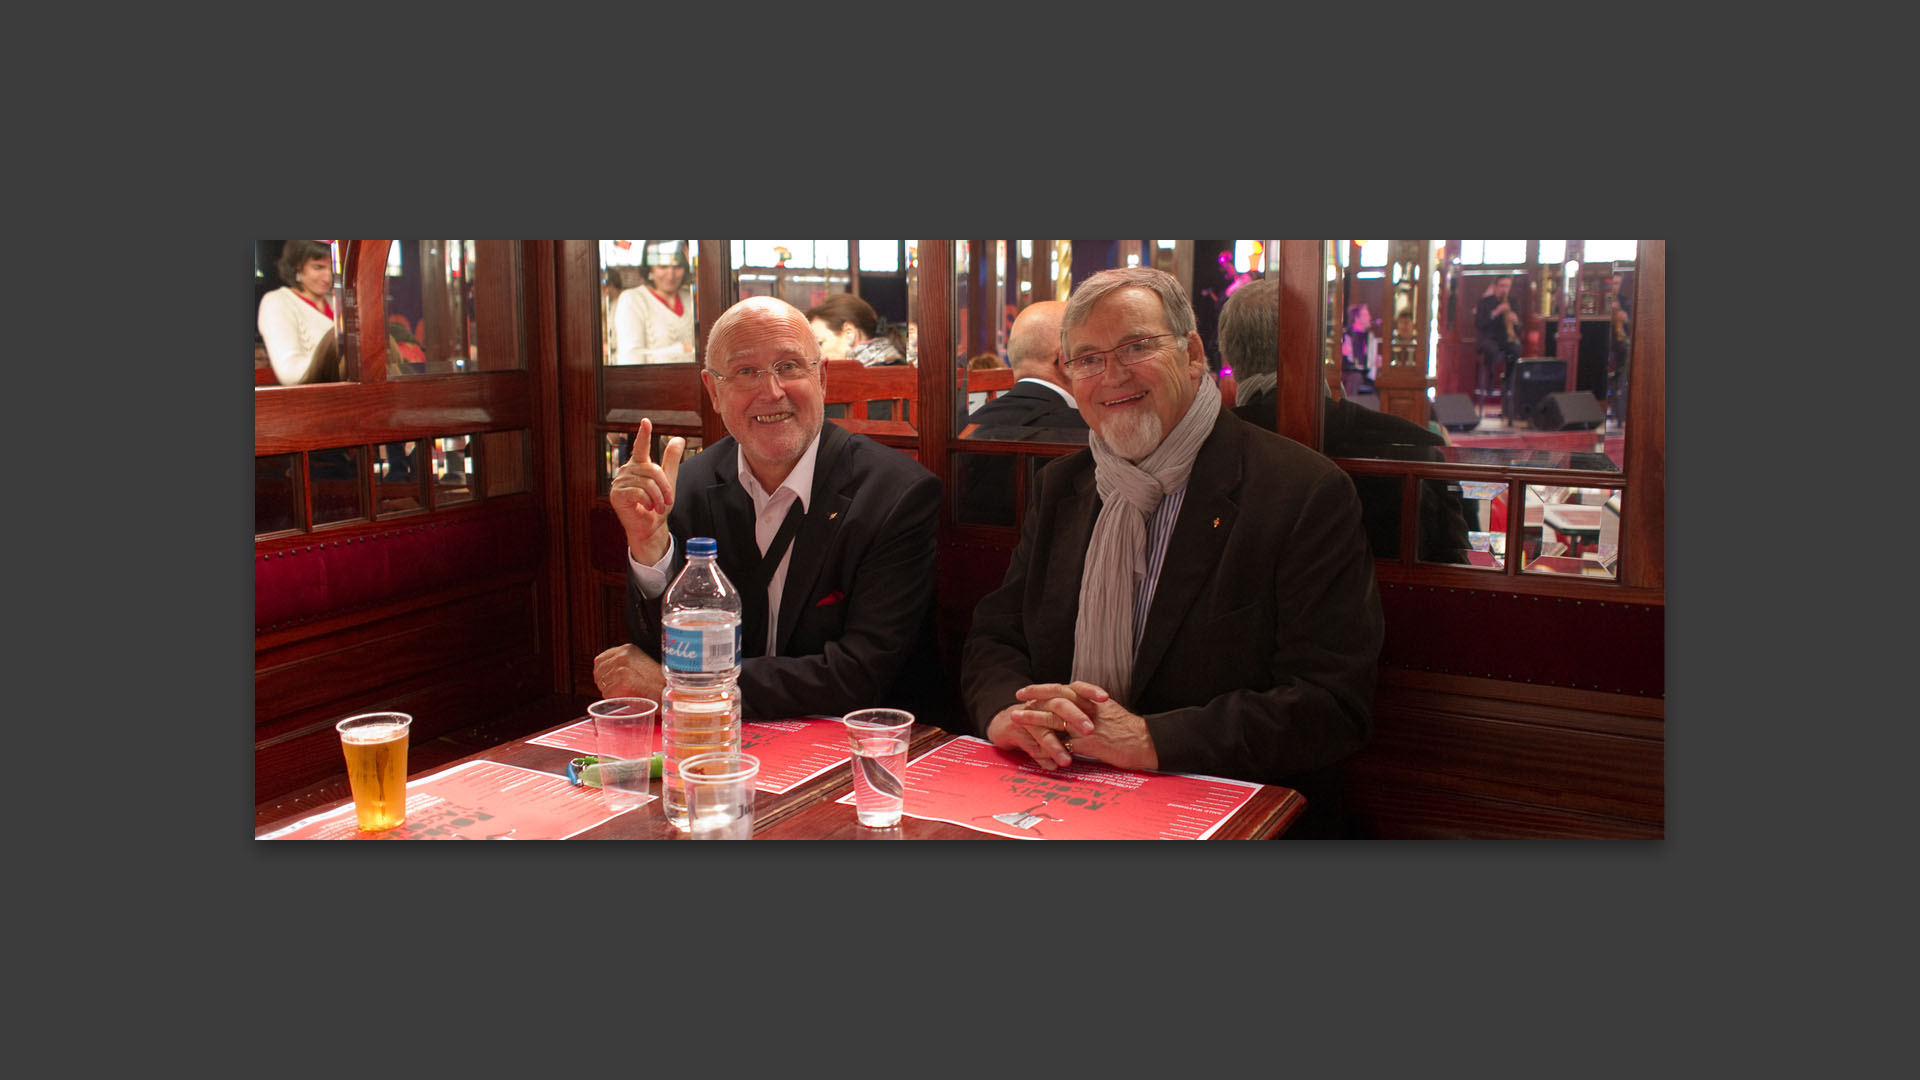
point(449, 663)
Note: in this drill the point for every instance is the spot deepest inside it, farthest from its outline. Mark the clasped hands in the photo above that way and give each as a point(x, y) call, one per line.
point(1047, 716)
point(642, 496)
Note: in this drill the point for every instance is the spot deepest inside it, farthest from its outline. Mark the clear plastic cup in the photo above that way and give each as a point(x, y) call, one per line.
point(878, 739)
point(720, 795)
point(623, 741)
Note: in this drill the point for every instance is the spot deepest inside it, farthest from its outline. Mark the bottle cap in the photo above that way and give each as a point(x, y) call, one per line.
point(700, 546)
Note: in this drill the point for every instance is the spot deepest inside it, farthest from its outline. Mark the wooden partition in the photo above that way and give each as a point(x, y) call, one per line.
point(447, 609)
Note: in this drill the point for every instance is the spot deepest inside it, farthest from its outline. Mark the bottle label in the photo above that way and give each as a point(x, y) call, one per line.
point(698, 648)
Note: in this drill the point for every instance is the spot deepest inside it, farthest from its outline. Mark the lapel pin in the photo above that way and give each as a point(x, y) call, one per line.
point(1216, 523)
point(836, 514)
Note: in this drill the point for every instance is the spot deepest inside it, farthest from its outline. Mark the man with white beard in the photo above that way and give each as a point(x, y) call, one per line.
point(1191, 593)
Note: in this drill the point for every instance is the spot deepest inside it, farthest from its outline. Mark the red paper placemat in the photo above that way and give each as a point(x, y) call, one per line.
point(971, 783)
point(479, 800)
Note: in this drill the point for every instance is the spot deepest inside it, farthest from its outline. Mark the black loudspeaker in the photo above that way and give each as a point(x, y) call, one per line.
point(1455, 412)
point(1529, 383)
point(1569, 410)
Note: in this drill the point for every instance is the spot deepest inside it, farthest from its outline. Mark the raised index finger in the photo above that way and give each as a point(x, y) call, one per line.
point(643, 442)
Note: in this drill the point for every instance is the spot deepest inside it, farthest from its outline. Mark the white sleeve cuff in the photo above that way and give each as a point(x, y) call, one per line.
point(651, 579)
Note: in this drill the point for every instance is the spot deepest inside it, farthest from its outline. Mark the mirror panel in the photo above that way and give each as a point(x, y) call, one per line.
point(297, 303)
point(858, 296)
point(333, 476)
point(276, 494)
point(430, 308)
point(399, 479)
point(647, 310)
point(1572, 530)
point(1515, 347)
point(453, 470)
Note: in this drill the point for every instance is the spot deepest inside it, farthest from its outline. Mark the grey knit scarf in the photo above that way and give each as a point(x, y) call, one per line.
point(1117, 554)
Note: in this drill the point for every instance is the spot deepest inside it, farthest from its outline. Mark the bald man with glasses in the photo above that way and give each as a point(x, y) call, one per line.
point(1189, 594)
point(829, 536)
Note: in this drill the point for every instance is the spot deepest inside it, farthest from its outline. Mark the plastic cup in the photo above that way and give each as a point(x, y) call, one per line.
point(623, 741)
point(375, 746)
point(878, 739)
point(720, 795)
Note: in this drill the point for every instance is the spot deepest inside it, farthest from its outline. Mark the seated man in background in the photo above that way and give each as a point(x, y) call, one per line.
point(1039, 407)
point(1250, 344)
point(1191, 593)
point(829, 536)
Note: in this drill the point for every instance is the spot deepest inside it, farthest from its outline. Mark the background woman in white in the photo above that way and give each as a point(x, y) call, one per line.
point(296, 322)
point(654, 324)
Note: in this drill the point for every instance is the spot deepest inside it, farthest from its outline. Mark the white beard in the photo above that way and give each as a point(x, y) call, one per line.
point(1133, 434)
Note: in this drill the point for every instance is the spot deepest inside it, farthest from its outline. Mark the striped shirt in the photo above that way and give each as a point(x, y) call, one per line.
point(1159, 531)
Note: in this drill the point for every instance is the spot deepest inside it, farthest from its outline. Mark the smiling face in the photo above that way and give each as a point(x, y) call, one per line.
point(774, 422)
point(316, 277)
point(667, 279)
point(1133, 408)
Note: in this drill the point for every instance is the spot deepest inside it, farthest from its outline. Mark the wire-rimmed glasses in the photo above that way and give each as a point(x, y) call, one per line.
point(1129, 353)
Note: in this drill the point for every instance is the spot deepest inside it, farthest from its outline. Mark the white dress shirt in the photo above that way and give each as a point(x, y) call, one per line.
point(769, 510)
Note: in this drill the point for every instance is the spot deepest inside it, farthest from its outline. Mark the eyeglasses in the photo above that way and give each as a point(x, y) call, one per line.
point(744, 378)
point(1129, 353)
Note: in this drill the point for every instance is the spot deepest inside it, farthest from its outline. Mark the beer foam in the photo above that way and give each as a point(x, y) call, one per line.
point(384, 731)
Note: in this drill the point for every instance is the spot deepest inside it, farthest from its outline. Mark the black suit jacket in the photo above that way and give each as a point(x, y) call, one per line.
point(1028, 406)
point(1025, 413)
point(1353, 430)
point(1258, 656)
point(856, 613)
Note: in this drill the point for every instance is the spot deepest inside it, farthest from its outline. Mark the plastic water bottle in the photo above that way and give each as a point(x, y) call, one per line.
point(700, 657)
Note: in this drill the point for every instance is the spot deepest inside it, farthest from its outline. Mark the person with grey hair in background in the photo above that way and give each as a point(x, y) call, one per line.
point(1250, 344)
point(1190, 593)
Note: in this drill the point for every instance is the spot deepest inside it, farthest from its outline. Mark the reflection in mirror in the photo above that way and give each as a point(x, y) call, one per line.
point(453, 469)
point(276, 494)
point(647, 301)
point(857, 297)
point(1249, 329)
point(333, 476)
point(1486, 511)
point(1004, 290)
point(1572, 531)
point(297, 301)
point(429, 297)
point(1509, 345)
point(398, 479)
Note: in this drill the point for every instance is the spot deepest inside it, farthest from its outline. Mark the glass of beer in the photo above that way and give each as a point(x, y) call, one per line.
point(375, 745)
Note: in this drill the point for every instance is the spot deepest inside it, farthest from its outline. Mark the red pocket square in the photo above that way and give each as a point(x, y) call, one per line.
point(830, 599)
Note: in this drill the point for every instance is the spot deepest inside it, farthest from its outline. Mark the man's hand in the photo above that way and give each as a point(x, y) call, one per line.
point(1047, 716)
point(642, 494)
point(625, 671)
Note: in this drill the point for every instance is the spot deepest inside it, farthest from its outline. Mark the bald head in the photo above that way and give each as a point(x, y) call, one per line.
point(1034, 341)
point(757, 311)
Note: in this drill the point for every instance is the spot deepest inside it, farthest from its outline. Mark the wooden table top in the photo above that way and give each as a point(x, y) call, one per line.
point(810, 811)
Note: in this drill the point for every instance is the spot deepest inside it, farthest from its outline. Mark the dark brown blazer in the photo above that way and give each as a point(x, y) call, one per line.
point(1258, 656)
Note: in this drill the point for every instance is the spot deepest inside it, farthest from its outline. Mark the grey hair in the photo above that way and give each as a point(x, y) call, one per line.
point(1250, 328)
point(1173, 299)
